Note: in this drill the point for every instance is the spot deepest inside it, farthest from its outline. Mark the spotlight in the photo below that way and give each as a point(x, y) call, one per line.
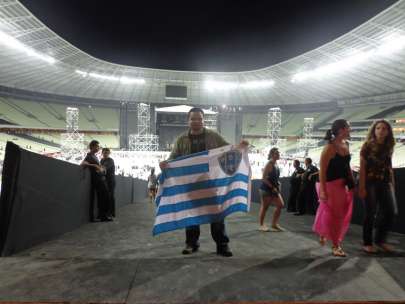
point(11, 42)
point(391, 44)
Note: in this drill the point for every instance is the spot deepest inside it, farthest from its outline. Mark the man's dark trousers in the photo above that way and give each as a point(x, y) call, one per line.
point(218, 233)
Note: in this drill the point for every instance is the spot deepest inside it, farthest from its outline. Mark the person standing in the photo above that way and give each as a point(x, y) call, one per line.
point(295, 183)
point(198, 139)
point(108, 163)
point(377, 186)
point(98, 183)
point(334, 213)
point(152, 185)
point(306, 199)
point(270, 192)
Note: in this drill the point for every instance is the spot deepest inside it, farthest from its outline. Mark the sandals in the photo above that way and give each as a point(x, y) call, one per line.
point(264, 228)
point(337, 251)
point(277, 228)
point(322, 240)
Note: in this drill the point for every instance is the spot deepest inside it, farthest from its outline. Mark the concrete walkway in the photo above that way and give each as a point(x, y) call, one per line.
point(120, 261)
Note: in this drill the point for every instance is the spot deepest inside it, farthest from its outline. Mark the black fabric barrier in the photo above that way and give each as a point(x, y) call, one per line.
point(285, 189)
point(8, 190)
point(50, 197)
point(42, 198)
point(358, 204)
point(123, 191)
point(139, 189)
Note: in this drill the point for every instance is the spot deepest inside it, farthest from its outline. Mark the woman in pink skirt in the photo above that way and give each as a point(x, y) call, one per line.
point(334, 190)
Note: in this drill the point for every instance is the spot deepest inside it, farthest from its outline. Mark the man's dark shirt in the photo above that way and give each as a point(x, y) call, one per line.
point(95, 176)
point(197, 142)
point(310, 170)
point(296, 180)
point(108, 164)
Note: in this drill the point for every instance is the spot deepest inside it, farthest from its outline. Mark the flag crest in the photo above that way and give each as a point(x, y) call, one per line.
point(230, 161)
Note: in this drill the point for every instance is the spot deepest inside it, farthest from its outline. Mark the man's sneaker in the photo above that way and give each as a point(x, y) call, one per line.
point(224, 251)
point(264, 228)
point(189, 249)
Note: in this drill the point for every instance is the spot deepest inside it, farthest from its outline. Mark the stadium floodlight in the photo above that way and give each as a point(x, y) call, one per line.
point(123, 79)
point(333, 68)
point(391, 44)
point(212, 85)
point(13, 43)
point(257, 84)
point(127, 80)
point(106, 77)
point(83, 74)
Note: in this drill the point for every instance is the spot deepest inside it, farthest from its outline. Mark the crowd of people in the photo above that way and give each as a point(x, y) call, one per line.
point(326, 192)
point(335, 189)
point(138, 164)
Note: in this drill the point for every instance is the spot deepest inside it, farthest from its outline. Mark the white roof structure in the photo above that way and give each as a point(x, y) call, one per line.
point(181, 109)
point(369, 61)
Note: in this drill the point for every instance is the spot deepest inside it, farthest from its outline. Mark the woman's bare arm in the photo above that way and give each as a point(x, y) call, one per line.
point(267, 170)
point(327, 154)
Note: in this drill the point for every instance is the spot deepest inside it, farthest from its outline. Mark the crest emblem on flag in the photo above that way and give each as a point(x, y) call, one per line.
point(230, 161)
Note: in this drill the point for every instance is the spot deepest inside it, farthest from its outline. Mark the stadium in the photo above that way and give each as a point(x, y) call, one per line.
point(55, 99)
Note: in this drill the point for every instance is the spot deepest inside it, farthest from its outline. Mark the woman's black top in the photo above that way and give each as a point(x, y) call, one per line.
point(272, 178)
point(339, 167)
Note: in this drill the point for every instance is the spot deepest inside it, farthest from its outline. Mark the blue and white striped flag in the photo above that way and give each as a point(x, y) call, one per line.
point(203, 188)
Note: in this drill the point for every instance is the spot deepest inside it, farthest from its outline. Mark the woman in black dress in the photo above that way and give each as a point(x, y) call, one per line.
point(270, 192)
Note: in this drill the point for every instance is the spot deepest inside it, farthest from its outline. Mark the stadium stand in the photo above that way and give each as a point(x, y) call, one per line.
point(43, 122)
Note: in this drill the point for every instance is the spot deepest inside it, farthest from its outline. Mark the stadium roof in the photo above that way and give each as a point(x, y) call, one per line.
point(181, 109)
point(368, 61)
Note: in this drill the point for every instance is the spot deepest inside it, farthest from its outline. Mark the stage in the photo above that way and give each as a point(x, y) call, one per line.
point(121, 261)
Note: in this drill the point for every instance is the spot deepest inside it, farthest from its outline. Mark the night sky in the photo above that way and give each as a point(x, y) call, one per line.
point(202, 35)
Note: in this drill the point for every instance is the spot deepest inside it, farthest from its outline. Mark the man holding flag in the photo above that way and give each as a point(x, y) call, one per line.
point(198, 139)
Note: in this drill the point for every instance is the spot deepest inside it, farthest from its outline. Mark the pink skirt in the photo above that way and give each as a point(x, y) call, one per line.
point(333, 216)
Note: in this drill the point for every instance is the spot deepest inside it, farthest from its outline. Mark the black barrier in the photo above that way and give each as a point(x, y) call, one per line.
point(399, 224)
point(8, 190)
point(139, 189)
point(50, 197)
point(123, 191)
point(43, 198)
point(285, 189)
point(358, 204)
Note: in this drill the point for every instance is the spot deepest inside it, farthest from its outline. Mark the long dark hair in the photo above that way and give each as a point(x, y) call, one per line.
point(272, 152)
point(334, 130)
point(389, 141)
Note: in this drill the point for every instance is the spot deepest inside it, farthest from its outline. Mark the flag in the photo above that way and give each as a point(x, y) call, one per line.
point(202, 188)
